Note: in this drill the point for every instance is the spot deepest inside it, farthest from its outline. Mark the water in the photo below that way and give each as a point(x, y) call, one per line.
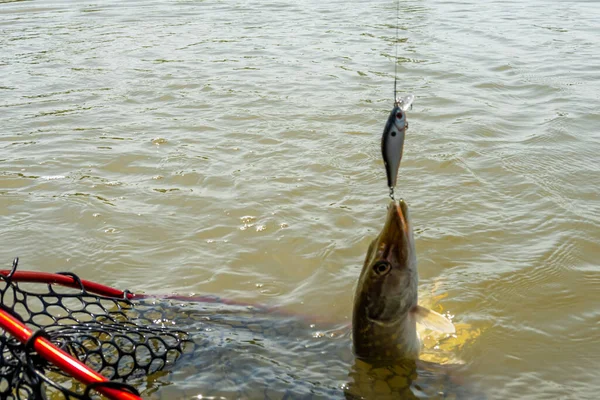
point(233, 148)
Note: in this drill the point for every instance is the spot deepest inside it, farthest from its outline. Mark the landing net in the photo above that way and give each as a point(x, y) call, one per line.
point(65, 338)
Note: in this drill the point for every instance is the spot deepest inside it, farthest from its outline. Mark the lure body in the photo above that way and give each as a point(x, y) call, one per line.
point(392, 140)
point(392, 143)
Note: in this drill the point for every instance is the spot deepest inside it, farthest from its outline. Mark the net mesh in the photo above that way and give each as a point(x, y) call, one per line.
point(119, 338)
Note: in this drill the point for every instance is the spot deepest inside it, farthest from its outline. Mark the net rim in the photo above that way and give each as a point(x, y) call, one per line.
point(68, 280)
point(39, 342)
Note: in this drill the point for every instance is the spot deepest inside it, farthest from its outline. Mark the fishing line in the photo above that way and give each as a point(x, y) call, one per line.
point(396, 56)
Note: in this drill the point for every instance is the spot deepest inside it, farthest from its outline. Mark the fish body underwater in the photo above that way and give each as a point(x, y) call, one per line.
point(249, 352)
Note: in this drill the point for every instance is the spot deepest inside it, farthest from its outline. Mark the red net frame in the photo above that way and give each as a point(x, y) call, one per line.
point(27, 340)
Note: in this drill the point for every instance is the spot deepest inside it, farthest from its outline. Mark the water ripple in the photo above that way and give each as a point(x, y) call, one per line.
point(139, 138)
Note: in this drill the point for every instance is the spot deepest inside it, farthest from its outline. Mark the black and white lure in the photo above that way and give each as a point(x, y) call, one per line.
point(392, 140)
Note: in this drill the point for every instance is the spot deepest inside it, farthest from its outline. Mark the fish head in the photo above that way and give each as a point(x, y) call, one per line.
point(388, 283)
point(383, 327)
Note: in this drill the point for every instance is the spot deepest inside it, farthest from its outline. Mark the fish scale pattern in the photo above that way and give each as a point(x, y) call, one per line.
point(116, 337)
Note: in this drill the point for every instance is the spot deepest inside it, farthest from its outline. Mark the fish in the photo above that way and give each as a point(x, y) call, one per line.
point(386, 308)
point(392, 139)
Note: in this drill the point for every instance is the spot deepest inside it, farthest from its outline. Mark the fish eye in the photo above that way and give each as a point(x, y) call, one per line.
point(399, 115)
point(382, 268)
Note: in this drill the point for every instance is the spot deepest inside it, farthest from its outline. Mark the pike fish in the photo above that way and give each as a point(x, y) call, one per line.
point(386, 308)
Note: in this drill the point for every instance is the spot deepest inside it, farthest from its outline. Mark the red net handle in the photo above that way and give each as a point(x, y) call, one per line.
point(61, 359)
point(49, 351)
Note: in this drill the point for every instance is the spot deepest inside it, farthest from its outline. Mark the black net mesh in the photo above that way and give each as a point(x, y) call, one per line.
point(121, 339)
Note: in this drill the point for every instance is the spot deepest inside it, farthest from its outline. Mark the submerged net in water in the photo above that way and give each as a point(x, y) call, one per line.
point(114, 335)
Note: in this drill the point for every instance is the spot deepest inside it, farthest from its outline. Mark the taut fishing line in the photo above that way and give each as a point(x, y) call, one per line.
point(392, 140)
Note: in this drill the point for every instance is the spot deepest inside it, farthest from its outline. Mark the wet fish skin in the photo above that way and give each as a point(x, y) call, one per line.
point(386, 308)
point(392, 143)
point(383, 326)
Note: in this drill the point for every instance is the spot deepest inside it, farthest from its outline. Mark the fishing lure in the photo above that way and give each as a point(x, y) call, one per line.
point(392, 140)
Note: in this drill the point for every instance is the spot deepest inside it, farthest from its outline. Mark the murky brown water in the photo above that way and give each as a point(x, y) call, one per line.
point(233, 148)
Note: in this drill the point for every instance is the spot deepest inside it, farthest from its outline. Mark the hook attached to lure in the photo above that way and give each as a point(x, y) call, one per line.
point(392, 140)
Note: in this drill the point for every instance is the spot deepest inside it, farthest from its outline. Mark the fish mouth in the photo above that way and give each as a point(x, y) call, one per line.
point(397, 230)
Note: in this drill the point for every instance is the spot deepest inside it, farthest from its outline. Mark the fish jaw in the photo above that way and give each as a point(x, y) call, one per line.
point(383, 323)
point(376, 341)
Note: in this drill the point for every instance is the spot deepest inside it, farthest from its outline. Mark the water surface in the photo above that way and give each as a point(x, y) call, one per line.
point(233, 148)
